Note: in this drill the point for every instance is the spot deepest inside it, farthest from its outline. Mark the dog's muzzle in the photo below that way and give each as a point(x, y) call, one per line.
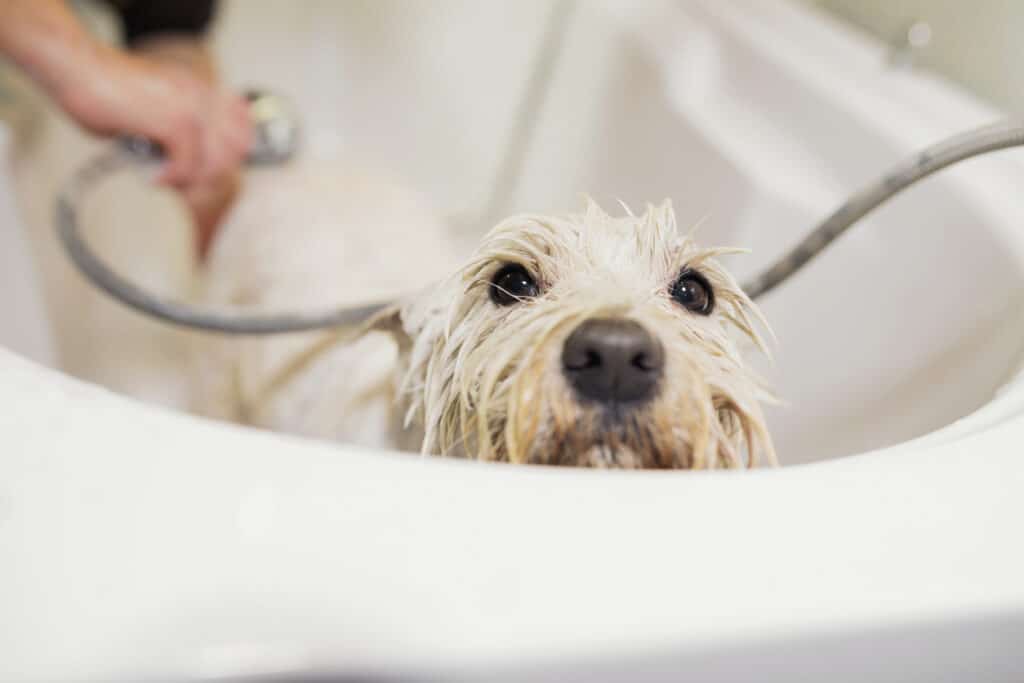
point(613, 361)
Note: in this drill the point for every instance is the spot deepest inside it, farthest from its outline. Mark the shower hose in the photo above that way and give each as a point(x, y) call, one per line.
point(946, 153)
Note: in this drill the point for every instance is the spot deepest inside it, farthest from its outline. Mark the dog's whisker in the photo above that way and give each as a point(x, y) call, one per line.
point(516, 297)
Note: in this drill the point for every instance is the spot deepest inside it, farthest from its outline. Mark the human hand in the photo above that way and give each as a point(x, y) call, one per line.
point(166, 92)
point(166, 97)
point(204, 130)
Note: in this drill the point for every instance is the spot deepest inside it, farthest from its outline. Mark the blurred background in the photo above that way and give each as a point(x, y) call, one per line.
point(756, 118)
point(976, 47)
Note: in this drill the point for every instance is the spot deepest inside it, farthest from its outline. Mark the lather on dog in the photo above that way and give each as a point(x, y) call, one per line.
point(578, 340)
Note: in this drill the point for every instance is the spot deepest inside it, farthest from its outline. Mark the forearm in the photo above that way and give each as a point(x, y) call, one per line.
point(164, 89)
point(47, 41)
point(191, 53)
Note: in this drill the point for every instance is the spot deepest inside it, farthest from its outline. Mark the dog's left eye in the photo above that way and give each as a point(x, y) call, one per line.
point(693, 292)
point(511, 284)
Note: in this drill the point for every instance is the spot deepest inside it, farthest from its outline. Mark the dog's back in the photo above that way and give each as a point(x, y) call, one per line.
point(311, 238)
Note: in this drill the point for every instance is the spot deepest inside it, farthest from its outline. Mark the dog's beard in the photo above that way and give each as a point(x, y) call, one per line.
point(694, 429)
point(614, 436)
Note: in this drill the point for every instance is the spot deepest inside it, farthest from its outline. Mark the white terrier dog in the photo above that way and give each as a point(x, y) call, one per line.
point(583, 340)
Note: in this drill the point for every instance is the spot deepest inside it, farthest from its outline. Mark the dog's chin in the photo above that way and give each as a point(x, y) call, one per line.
point(610, 453)
point(674, 432)
point(610, 439)
point(604, 456)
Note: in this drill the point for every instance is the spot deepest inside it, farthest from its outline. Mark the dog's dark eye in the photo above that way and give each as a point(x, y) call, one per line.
point(693, 292)
point(512, 284)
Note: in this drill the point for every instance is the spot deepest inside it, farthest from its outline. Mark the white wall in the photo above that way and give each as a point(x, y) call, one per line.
point(976, 43)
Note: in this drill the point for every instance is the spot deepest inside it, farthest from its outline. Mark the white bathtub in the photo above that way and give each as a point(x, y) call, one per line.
point(138, 542)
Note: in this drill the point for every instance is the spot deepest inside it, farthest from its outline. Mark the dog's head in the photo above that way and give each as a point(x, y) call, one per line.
point(586, 340)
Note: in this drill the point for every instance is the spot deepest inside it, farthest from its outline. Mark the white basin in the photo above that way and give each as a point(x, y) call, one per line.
point(137, 542)
point(24, 327)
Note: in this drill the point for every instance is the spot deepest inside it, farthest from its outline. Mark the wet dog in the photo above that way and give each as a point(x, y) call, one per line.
point(584, 339)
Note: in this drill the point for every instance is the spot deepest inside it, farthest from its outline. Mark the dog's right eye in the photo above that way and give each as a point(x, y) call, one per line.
point(693, 292)
point(512, 284)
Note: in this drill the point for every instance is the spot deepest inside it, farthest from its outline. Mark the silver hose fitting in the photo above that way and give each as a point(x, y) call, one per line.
point(275, 138)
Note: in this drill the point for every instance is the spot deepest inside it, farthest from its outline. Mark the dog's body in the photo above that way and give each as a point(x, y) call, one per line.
point(584, 340)
point(310, 238)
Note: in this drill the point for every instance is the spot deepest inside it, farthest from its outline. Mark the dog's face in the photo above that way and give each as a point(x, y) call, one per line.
point(587, 340)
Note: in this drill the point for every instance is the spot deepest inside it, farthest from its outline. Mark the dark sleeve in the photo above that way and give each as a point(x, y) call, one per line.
point(146, 18)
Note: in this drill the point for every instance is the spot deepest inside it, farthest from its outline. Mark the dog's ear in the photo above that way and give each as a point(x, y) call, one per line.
point(390, 321)
point(387, 320)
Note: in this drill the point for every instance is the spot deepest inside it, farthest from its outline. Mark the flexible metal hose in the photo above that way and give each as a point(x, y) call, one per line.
point(964, 146)
point(182, 314)
point(935, 158)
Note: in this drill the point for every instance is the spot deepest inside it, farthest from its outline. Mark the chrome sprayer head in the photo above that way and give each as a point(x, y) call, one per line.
point(276, 132)
point(275, 128)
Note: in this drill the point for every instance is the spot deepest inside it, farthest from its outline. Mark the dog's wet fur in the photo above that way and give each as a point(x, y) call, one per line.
point(477, 366)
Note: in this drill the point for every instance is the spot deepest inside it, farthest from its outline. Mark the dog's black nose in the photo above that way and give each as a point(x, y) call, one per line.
point(613, 360)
